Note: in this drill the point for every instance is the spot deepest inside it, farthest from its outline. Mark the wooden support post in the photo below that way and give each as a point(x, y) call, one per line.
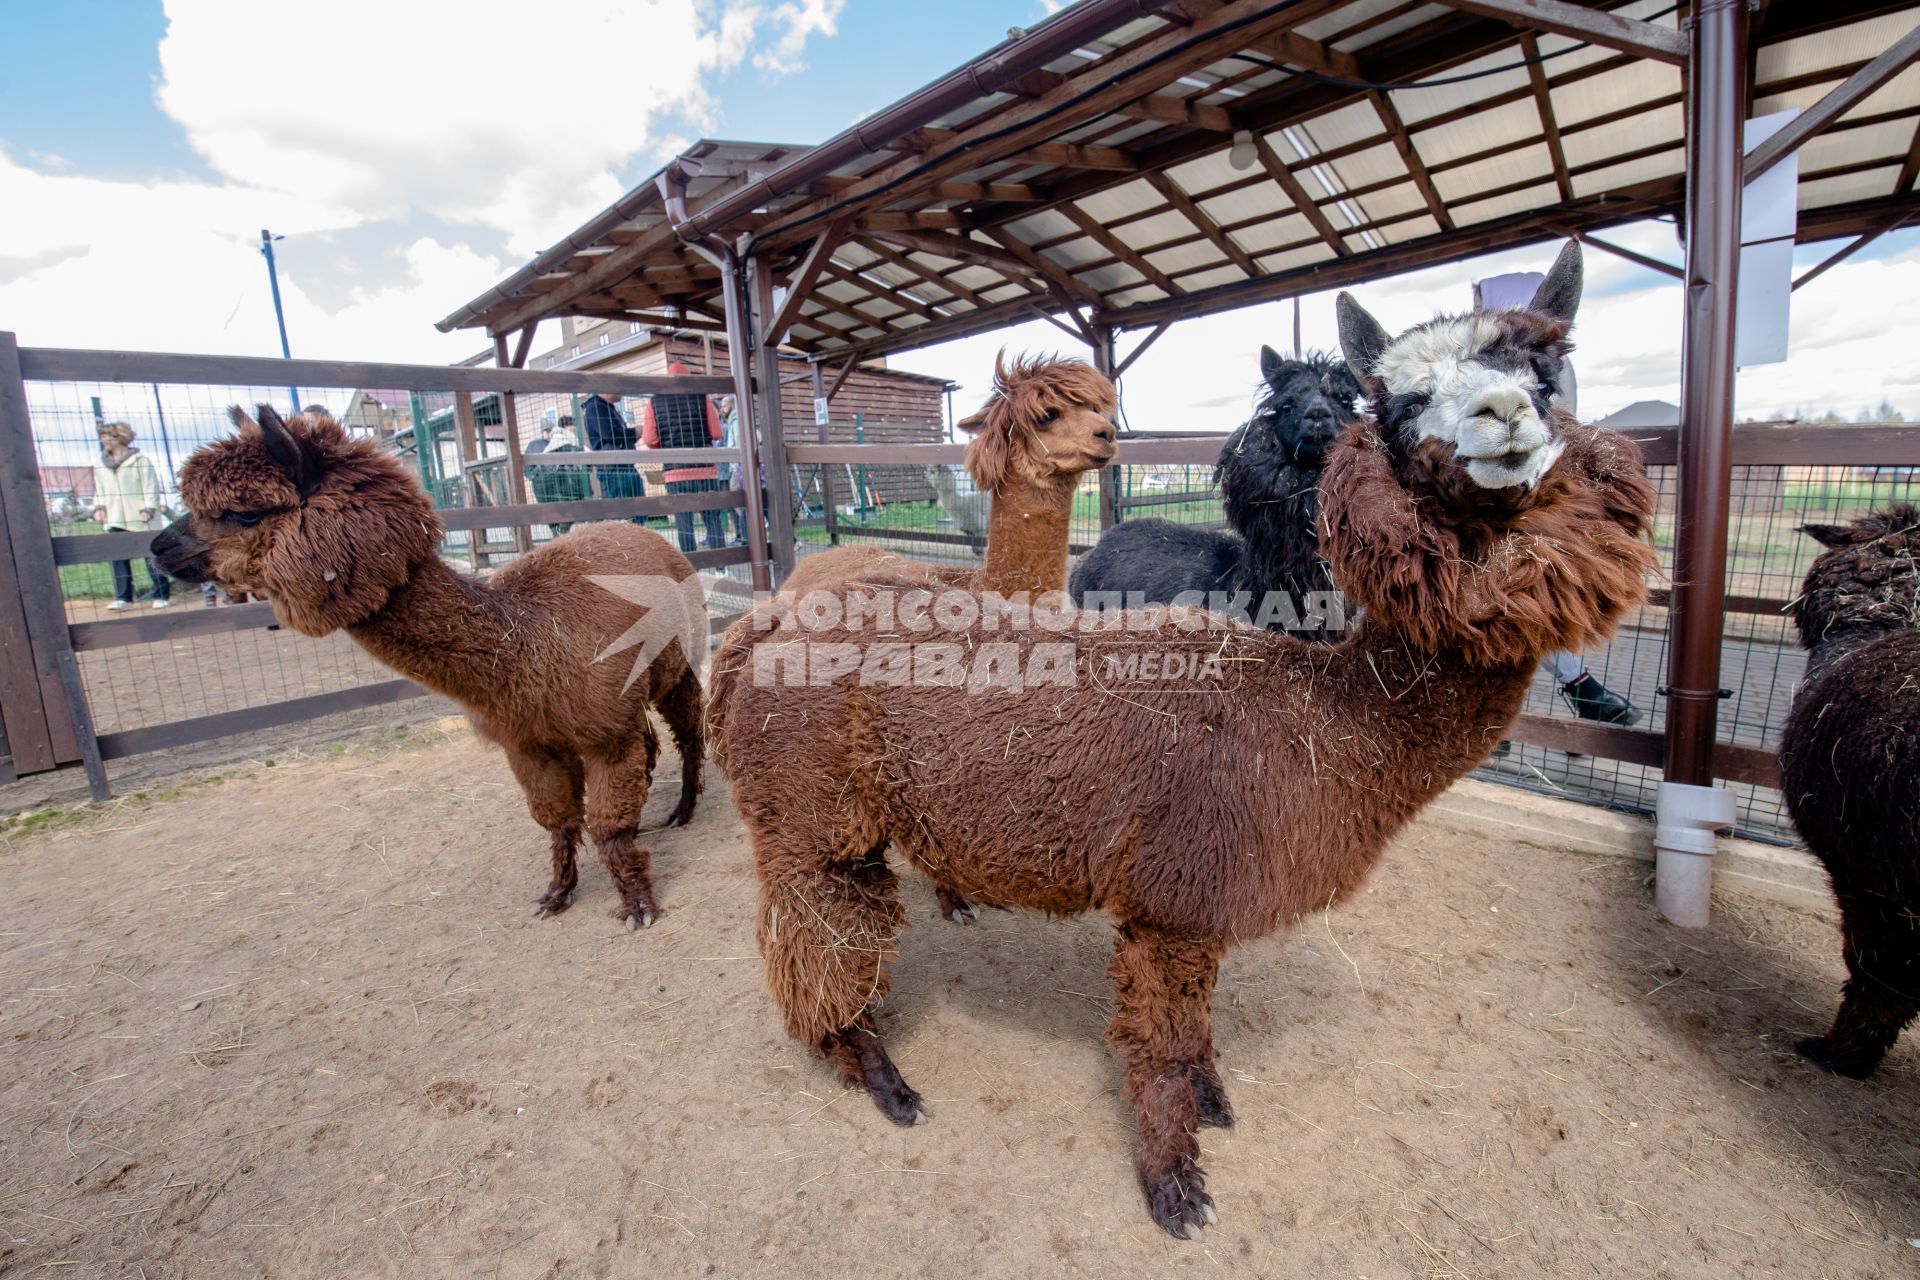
point(41, 725)
point(466, 437)
point(773, 444)
point(510, 415)
point(1109, 475)
point(740, 361)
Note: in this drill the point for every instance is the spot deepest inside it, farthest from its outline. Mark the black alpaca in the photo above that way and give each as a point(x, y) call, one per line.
point(1269, 479)
point(1850, 765)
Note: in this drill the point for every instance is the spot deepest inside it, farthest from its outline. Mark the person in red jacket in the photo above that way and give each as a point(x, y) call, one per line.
point(688, 422)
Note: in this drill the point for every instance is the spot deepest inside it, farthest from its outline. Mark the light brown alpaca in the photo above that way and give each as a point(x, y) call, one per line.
point(1048, 422)
point(1478, 528)
point(338, 535)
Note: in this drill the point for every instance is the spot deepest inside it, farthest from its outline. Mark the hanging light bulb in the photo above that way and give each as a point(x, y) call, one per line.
point(1243, 154)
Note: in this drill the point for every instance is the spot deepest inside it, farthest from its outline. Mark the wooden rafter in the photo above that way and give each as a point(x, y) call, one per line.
point(1854, 89)
point(1192, 212)
point(1549, 122)
point(1911, 168)
point(612, 267)
point(1124, 76)
point(855, 309)
point(1118, 248)
point(1595, 26)
point(1141, 350)
point(1410, 157)
point(956, 248)
point(1049, 270)
point(1163, 107)
point(1847, 251)
point(898, 297)
point(1621, 251)
point(800, 284)
point(894, 258)
point(1298, 194)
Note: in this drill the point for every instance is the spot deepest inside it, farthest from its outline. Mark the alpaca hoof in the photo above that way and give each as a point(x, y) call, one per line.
point(551, 904)
point(682, 815)
point(1820, 1052)
point(640, 920)
point(898, 1103)
point(1179, 1203)
point(1210, 1100)
point(955, 908)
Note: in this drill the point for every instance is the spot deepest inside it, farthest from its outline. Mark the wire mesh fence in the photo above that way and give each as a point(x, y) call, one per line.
point(1762, 661)
point(109, 456)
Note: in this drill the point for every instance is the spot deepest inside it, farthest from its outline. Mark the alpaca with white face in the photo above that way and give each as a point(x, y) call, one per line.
point(1482, 383)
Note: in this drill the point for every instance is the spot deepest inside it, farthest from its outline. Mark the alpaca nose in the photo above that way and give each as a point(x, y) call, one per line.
point(1508, 404)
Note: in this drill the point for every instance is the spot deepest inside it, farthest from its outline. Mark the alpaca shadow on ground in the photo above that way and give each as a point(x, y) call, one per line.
point(1735, 998)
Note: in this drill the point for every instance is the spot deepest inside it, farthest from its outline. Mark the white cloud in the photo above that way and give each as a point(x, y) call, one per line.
point(358, 130)
point(797, 22)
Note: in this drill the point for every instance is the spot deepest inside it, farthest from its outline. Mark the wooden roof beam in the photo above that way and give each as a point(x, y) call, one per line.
point(1410, 157)
point(1298, 194)
point(1193, 213)
point(800, 283)
point(1549, 123)
point(1163, 107)
point(973, 192)
point(1119, 248)
point(925, 220)
point(1838, 101)
point(1595, 26)
point(1052, 272)
point(1123, 77)
point(894, 258)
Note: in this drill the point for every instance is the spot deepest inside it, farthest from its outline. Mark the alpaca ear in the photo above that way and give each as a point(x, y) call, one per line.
point(286, 450)
point(988, 454)
point(1829, 535)
point(1559, 294)
point(1270, 363)
point(1362, 340)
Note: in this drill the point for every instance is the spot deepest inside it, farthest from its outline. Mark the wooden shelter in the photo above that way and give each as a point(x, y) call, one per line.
point(1129, 163)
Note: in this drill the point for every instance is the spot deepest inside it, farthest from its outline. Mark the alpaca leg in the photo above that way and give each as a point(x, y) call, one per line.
point(616, 793)
point(680, 707)
point(827, 929)
point(553, 786)
point(954, 907)
point(1162, 985)
point(1875, 1005)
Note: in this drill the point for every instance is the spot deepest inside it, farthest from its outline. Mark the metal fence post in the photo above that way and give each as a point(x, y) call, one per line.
point(1688, 805)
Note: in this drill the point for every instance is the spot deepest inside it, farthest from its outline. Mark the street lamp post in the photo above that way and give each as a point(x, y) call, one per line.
point(279, 315)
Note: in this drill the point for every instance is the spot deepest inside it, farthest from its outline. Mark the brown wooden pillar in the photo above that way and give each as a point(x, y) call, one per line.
point(466, 438)
point(740, 361)
point(1103, 360)
point(510, 416)
point(773, 445)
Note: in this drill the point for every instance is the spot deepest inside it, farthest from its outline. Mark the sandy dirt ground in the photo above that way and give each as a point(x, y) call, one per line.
point(301, 1022)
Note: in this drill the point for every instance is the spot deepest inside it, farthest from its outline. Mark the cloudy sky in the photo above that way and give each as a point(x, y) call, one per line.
point(414, 153)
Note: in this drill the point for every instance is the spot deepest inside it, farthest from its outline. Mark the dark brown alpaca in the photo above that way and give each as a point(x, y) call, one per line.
point(1850, 768)
point(1197, 814)
point(1048, 422)
point(338, 535)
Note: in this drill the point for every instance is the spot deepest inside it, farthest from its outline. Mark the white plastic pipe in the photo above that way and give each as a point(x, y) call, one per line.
point(1683, 847)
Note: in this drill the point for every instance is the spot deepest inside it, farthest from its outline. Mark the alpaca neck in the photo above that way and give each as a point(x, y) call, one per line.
point(1027, 539)
point(1432, 715)
point(448, 632)
point(1282, 552)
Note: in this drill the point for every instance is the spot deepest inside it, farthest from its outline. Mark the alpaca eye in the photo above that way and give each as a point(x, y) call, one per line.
point(1050, 417)
point(247, 519)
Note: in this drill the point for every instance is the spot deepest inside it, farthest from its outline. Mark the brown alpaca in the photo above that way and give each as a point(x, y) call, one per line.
point(1048, 422)
point(338, 535)
point(1198, 815)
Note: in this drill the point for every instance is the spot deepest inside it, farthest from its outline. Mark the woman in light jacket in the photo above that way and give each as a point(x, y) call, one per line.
point(126, 496)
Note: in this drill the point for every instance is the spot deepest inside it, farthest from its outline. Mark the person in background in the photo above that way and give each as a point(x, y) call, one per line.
point(688, 422)
point(126, 495)
point(729, 473)
point(1589, 699)
point(558, 484)
point(607, 429)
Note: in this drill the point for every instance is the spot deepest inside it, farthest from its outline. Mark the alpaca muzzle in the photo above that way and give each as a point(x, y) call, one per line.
point(180, 553)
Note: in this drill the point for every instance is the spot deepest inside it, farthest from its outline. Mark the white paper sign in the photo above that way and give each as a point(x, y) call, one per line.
point(1769, 216)
point(819, 411)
